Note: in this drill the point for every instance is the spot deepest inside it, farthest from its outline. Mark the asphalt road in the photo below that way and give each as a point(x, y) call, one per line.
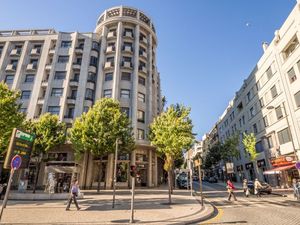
point(268, 210)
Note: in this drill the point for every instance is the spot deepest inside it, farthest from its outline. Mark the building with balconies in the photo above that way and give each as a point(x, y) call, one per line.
point(65, 73)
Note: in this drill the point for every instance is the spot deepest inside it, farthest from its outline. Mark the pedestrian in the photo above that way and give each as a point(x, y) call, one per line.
point(257, 188)
point(296, 188)
point(73, 195)
point(245, 187)
point(230, 189)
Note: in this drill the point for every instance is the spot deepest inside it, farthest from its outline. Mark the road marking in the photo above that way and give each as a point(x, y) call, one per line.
point(215, 219)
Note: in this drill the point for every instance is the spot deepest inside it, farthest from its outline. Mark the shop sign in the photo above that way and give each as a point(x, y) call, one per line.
point(229, 167)
point(21, 144)
point(249, 166)
point(239, 168)
point(261, 163)
point(283, 161)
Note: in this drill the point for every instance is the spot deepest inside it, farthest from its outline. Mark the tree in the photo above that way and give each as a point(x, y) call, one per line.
point(10, 116)
point(97, 131)
point(249, 142)
point(229, 148)
point(49, 133)
point(171, 132)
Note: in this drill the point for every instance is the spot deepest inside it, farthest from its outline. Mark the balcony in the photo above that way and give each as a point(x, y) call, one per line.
point(48, 67)
point(52, 51)
point(31, 66)
point(127, 65)
point(143, 54)
point(144, 40)
point(41, 101)
point(108, 65)
point(111, 34)
point(35, 51)
point(110, 49)
point(74, 83)
point(128, 34)
point(71, 100)
point(44, 83)
point(143, 69)
point(79, 50)
point(15, 52)
point(76, 66)
point(68, 119)
point(127, 49)
point(11, 67)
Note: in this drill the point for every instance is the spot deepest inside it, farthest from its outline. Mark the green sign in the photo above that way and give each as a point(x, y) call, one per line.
point(21, 144)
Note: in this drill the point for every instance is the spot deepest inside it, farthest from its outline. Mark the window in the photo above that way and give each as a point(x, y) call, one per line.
point(249, 96)
point(9, 79)
point(126, 76)
point(63, 59)
point(266, 122)
point(54, 110)
point(29, 78)
point(141, 116)
point(141, 97)
point(259, 147)
point(125, 93)
point(278, 111)
point(243, 119)
point(141, 134)
point(252, 111)
point(125, 110)
point(142, 81)
point(108, 76)
point(255, 131)
point(89, 94)
point(73, 94)
point(95, 46)
point(91, 77)
point(60, 75)
point(240, 122)
point(269, 142)
point(66, 44)
point(25, 94)
point(107, 93)
point(76, 77)
point(284, 136)
point(274, 91)
point(86, 109)
point(292, 75)
point(122, 174)
point(297, 99)
point(70, 112)
point(261, 102)
point(291, 47)
point(93, 61)
point(57, 92)
point(269, 73)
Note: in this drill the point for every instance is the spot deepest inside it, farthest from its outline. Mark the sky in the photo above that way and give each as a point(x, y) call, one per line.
point(206, 48)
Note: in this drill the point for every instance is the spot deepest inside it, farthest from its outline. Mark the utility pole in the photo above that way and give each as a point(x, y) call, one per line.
point(200, 179)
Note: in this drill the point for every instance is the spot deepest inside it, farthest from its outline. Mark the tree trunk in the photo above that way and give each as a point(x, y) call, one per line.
point(38, 167)
point(100, 175)
point(170, 186)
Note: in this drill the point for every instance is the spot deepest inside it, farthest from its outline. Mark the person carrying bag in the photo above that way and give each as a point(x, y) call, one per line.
point(73, 195)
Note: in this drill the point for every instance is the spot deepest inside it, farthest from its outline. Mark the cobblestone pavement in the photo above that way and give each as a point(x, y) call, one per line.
point(268, 210)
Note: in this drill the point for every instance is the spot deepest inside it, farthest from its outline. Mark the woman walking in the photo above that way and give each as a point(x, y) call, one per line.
point(230, 189)
point(73, 196)
point(245, 187)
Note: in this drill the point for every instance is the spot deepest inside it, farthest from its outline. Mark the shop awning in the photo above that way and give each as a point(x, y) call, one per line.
point(61, 169)
point(278, 170)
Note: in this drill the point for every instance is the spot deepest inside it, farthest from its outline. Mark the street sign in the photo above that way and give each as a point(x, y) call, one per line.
point(21, 144)
point(16, 162)
point(297, 165)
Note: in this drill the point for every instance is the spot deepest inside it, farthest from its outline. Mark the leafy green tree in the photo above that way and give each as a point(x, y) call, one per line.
point(10, 117)
point(249, 141)
point(49, 133)
point(213, 156)
point(171, 132)
point(97, 131)
point(230, 148)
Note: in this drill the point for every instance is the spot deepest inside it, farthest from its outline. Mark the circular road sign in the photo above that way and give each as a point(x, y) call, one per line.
point(16, 162)
point(297, 165)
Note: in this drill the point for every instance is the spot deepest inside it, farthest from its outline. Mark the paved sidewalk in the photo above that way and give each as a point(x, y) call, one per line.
point(151, 207)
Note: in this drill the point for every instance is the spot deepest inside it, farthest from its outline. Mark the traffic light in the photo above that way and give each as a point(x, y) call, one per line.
point(132, 170)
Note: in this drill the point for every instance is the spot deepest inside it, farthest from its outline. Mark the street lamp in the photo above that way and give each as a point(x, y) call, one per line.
point(115, 171)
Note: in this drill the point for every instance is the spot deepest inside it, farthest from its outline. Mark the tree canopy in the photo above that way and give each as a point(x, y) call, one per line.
point(249, 141)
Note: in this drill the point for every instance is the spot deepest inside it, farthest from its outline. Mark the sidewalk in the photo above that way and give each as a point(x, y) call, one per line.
point(151, 207)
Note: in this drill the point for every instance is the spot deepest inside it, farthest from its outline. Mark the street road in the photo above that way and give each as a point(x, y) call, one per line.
point(267, 210)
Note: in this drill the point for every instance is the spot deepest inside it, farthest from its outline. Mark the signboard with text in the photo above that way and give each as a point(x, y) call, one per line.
point(21, 144)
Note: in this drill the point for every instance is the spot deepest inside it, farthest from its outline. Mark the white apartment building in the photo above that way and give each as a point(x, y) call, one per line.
point(268, 105)
point(65, 73)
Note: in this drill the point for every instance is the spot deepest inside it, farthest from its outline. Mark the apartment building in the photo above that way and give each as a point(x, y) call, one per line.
point(268, 105)
point(65, 73)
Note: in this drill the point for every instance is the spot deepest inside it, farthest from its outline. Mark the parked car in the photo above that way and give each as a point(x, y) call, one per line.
point(213, 180)
point(183, 183)
point(205, 178)
point(266, 189)
point(195, 178)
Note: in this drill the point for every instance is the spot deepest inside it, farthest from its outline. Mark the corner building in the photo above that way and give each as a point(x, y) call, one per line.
point(65, 73)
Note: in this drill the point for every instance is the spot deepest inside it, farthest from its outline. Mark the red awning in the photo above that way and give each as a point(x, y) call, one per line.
point(278, 170)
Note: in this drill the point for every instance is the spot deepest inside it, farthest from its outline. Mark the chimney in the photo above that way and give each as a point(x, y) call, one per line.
point(265, 45)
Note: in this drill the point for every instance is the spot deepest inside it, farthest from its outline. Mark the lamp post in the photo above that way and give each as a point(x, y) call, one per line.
point(200, 178)
point(115, 172)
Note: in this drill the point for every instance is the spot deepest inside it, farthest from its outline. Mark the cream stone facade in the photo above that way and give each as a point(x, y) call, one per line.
point(268, 105)
point(65, 73)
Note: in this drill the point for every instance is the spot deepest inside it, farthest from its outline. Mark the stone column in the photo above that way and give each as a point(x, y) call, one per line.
point(109, 171)
point(150, 172)
point(155, 175)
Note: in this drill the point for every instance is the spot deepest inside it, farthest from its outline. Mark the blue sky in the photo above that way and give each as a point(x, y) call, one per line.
point(205, 49)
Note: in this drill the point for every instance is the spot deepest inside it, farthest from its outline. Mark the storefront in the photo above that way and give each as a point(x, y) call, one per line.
point(251, 174)
point(283, 171)
point(240, 172)
point(261, 164)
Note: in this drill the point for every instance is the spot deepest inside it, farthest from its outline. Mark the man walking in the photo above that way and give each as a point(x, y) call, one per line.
point(257, 188)
point(245, 187)
point(74, 194)
point(230, 188)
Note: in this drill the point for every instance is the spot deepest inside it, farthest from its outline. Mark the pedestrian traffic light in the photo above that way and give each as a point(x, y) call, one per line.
point(132, 170)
